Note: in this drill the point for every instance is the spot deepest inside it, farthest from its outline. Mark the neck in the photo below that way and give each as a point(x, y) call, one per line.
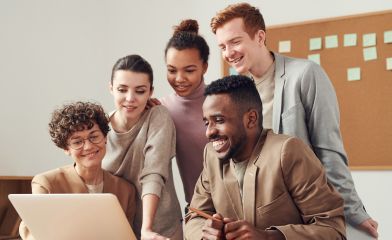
point(90, 176)
point(253, 138)
point(122, 124)
point(265, 61)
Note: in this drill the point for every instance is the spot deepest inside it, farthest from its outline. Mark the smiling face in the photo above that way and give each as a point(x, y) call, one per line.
point(239, 50)
point(91, 154)
point(130, 90)
point(225, 128)
point(185, 70)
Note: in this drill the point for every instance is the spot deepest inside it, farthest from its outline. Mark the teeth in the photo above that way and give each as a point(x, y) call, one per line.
point(90, 154)
point(218, 143)
point(236, 60)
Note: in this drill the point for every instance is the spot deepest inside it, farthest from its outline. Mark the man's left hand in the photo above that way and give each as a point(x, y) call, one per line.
point(243, 230)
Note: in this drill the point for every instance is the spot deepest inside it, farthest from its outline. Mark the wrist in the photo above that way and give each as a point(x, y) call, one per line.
point(275, 235)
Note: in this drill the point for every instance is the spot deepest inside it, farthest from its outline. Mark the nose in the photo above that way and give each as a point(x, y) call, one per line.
point(87, 144)
point(211, 131)
point(179, 77)
point(130, 96)
point(228, 52)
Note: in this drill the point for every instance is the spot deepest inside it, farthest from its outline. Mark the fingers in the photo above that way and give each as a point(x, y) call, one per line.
point(155, 101)
point(370, 226)
point(212, 229)
point(235, 229)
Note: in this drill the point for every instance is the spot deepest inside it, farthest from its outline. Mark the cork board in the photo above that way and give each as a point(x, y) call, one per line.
point(365, 104)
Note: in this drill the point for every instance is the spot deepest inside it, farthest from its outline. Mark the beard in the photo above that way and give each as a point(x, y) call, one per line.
point(236, 149)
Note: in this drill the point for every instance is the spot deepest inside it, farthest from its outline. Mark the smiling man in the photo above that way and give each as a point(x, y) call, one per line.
point(298, 98)
point(253, 181)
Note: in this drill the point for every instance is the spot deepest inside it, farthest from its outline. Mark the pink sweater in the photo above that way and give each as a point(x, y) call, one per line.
point(187, 115)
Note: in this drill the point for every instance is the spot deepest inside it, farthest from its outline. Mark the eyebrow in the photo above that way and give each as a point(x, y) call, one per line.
point(192, 65)
point(126, 86)
point(81, 137)
point(235, 38)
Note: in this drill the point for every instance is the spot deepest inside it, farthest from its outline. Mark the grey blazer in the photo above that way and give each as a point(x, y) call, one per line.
point(305, 105)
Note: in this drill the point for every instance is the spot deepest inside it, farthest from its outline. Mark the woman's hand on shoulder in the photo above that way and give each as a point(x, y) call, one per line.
point(152, 102)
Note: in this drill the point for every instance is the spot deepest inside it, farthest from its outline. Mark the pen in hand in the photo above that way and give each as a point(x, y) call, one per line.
point(203, 214)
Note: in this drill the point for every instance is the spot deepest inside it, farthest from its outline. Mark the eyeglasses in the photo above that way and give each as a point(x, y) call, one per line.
point(78, 143)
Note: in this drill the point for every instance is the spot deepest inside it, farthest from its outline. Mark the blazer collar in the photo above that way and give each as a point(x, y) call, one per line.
point(247, 211)
point(76, 181)
point(280, 78)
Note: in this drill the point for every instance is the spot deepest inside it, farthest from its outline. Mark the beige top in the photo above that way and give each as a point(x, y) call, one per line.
point(266, 87)
point(143, 156)
point(239, 170)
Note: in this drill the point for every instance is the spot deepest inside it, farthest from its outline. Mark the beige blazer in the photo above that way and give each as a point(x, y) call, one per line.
point(284, 188)
point(66, 180)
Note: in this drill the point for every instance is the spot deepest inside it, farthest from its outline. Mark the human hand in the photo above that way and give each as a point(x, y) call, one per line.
point(212, 229)
point(150, 235)
point(241, 229)
point(152, 102)
point(370, 226)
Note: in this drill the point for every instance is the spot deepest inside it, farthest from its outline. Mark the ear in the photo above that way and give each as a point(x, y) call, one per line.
point(260, 36)
point(151, 91)
point(67, 152)
point(251, 119)
point(205, 67)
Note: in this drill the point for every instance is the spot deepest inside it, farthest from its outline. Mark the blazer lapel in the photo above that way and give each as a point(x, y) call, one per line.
point(76, 181)
point(250, 181)
point(232, 188)
point(278, 93)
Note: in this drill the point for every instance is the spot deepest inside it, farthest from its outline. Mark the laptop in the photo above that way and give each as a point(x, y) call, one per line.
point(73, 216)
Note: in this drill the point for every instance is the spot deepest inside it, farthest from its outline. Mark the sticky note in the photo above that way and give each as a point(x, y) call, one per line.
point(331, 41)
point(315, 43)
point(388, 36)
point(284, 46)
point(315, 58)
point(350, 40)
point(369, 39)
point(354, 74)
point(369, 53)
point(389, 63)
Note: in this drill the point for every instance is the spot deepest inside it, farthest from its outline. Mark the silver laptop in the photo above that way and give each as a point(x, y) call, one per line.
point(73, 216)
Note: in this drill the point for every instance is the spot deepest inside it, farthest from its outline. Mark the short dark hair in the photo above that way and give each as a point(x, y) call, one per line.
point(133, 63)
point(186, 36)
point(74, 117)
point(242, 91)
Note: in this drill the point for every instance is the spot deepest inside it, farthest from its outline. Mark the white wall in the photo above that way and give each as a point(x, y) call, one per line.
point(52, 52)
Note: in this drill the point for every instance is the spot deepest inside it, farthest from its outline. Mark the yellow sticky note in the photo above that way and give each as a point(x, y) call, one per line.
point(284, 46)
point(315, 58)
point(354, 74)
point(331, 41)
point(369, 39)
point(350, 40)
point(389, 63)
point(388, 36)
point(369, 53)
point(315, 44)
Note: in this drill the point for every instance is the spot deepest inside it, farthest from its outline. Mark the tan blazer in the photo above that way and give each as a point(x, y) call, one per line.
point(66, 180)
point(284, 188)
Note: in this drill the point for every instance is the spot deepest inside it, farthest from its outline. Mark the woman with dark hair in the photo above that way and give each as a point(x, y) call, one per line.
point(140, 149)
point(80, 129)
point(186, 56)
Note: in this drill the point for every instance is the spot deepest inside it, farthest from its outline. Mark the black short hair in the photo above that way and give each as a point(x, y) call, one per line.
point(242, 91)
